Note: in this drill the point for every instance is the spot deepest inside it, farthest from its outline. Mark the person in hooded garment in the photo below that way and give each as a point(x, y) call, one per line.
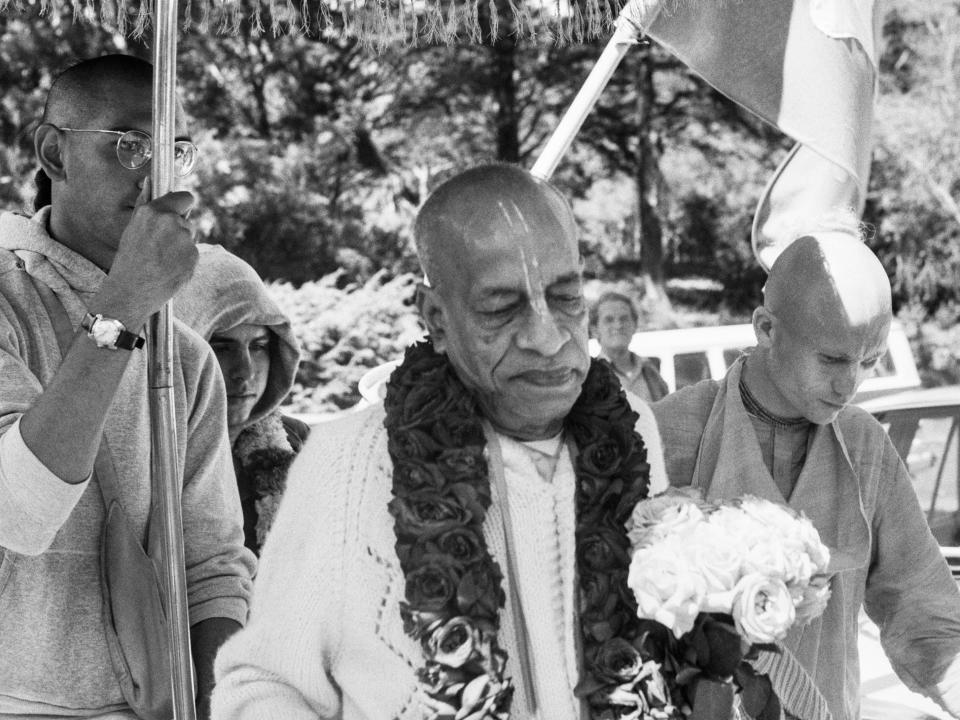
point(228, 305)
point(780, 426)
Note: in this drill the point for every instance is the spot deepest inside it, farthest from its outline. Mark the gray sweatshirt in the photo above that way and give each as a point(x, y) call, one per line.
point(53, 654)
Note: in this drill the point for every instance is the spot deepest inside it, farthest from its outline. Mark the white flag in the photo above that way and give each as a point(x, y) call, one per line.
point(806, 66)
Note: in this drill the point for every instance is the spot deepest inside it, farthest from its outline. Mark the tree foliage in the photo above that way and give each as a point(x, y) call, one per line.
point(915, 184)
point(317, 150)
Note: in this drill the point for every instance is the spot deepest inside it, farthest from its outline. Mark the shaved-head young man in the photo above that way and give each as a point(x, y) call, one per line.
point(78, 281)
point(378, 595)
point(780, 426)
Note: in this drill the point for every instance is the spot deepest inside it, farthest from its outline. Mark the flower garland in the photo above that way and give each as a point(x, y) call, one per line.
point(454, 587)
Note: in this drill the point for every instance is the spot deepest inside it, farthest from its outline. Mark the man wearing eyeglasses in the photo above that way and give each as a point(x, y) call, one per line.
point(78, 282)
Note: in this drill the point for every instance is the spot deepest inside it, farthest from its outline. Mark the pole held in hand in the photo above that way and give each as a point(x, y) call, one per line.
point(166, 481)
point(626, 33)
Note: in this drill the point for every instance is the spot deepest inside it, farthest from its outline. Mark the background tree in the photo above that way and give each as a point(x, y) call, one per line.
point(915, 183)
point(316, 151)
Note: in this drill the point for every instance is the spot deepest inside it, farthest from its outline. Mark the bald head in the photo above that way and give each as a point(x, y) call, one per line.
point(828, 281)
point(506, 304)
point(80, 93)
point(484, 206)
point(822, 328)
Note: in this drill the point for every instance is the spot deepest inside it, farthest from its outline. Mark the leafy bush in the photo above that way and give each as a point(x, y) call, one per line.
point(297, 212)
point(344, 332)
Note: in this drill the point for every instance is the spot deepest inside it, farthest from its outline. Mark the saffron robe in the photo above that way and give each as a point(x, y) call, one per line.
point(857, 492)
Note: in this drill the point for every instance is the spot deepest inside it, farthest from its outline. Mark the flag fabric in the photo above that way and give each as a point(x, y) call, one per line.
point(806, 66)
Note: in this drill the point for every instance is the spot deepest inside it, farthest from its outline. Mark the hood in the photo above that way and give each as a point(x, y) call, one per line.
point(225, 292)
point(70, 275)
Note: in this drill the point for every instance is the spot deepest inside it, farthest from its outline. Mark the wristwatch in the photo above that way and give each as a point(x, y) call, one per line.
point(109, 333)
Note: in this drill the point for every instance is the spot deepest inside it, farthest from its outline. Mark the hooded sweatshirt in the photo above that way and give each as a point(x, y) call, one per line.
point(223, 293)
point(54, 659)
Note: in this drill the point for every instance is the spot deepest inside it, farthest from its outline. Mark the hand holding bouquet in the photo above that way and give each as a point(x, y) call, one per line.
point(714, 582)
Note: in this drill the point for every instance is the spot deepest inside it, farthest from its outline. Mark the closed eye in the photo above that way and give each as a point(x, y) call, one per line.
point(832, 359)
point(499, 316)
point(568, 303)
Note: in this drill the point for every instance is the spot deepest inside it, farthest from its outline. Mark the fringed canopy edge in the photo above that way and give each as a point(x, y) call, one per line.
point(373, 22)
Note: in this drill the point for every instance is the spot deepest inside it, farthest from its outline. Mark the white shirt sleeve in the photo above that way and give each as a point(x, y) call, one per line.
point(34, 502)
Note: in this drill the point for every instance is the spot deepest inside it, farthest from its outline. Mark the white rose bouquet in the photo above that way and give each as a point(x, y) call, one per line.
point(722, 579)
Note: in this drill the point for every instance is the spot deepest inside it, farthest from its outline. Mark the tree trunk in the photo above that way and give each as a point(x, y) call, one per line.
point(648, 230)
point(505, 92)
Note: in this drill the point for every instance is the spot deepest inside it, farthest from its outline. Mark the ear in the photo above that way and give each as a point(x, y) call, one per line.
point(48, 146)
point(763, 322)
point(432, 311)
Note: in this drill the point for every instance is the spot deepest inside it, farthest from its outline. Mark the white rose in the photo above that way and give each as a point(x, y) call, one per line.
point(654, 518)
point(783, 520)
point(797, 538)
point(717, 555)
point(814, 547)
point(768, 558)
point(800, 568)
point(667, 588)
point(735, 522)
point(813, 599)
point(762, 609)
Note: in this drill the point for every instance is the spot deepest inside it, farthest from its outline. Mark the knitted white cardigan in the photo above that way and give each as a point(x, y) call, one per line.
point(325, 639)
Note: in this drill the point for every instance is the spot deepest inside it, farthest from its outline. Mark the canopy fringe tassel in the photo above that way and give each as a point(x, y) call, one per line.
point(375, 23)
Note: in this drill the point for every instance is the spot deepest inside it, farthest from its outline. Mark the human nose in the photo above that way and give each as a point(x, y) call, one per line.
point(542, 333)
point(848, 379)
point(242, 366)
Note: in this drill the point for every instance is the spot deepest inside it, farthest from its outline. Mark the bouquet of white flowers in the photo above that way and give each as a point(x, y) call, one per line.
point(716, 583)
point(757, 561)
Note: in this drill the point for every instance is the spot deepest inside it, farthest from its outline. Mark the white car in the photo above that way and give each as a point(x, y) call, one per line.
point(689, 355)
point(923, 425)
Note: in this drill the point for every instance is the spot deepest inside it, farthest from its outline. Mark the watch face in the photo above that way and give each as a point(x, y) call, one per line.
point(106, 331)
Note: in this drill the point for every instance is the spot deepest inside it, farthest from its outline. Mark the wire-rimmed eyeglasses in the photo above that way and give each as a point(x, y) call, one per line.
point(135, 148)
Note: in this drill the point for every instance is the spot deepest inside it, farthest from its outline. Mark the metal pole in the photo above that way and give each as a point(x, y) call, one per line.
point(166, 482)
point(624, 35)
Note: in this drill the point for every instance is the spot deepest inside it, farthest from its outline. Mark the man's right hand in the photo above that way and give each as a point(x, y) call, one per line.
point(156, 256)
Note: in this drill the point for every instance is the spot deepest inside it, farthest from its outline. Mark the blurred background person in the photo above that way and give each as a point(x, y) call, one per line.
point(227, 303)
point(614, 324)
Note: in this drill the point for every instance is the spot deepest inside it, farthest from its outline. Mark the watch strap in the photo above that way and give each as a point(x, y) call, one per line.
point(88, 320)
point(127, 340)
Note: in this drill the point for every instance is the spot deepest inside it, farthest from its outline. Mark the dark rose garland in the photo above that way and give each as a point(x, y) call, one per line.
point(454, 590)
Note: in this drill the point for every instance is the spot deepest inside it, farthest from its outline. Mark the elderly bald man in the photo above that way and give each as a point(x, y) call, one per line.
point(78, 280)
point(780, 426)
point(431, 542)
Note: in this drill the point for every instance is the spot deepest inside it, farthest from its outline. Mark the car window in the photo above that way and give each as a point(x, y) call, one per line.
point(691, 368)
point(885, 367)
point(927, 441)
point(730, 355)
